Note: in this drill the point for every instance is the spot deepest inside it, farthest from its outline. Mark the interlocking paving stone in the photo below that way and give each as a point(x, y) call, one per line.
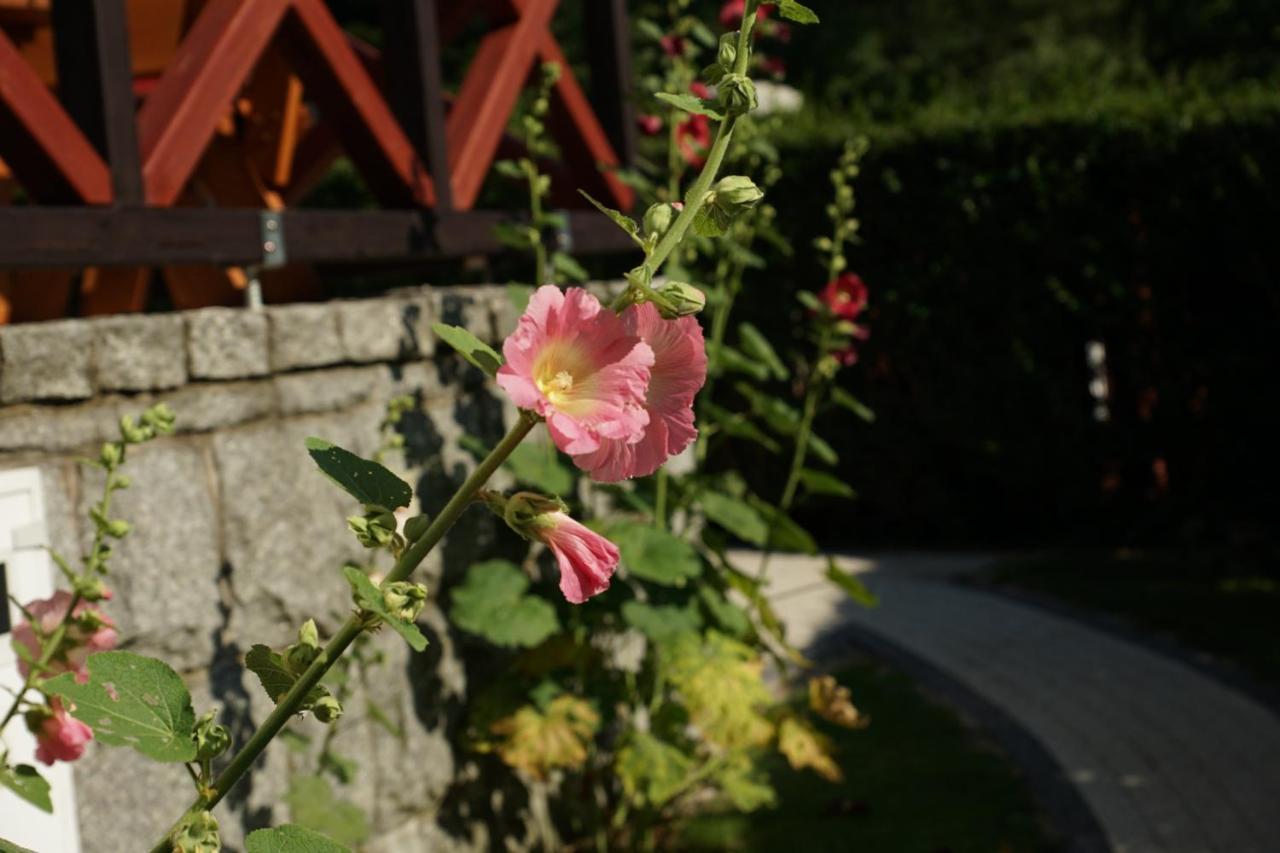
point(1169, 759)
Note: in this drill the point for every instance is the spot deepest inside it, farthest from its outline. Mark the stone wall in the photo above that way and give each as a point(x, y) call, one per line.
point(238, 538)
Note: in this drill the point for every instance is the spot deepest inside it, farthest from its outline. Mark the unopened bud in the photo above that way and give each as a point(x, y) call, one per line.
point(658, 219)
point(727, 52)
point(110, 455)
point(416, 526)
point(212, 739)
point(160, 418)
point(524, 511)
point(682, 299)
point(116, 528)
point(327, 709)
point(309, 634)
point(737, 194)
point(737, 94)
point(404, 600)
point(91, 589)
point(198, 833)
point(132, 433)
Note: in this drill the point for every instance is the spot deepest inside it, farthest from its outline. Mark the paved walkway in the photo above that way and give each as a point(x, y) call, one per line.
point(1167, 758)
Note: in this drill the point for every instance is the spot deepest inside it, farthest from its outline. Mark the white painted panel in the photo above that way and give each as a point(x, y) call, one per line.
point(29, 574)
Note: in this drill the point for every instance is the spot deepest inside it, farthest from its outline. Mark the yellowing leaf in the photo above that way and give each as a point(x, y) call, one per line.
point(720, 681)
point(536, 742)
point(829, 700)
point(805, 747)
point(652, 771)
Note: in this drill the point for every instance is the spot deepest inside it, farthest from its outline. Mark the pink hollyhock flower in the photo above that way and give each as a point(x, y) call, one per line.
point(846, 296)
point(580, 368)
point(699, 89)
point(732, 11)
point(90, 630)
point(59, 736)
point(679, 370)
point(649, 125)
point(587, 560)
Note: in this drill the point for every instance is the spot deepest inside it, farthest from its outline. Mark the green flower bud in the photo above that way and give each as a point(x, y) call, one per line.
point(90, 589)
point(683, 299)
point(212, 739)
point(658, 219)
point(309, 634)
point(111, 455)
point(416, 526)
point(327, 709)
point(299, 656)
point(132, 433)
point(737, 94)
point(375, 529)
point(727, 52)
point(736, 194)
point(117, 528)
point(160, 418)
point(404, 600)
point(197, 833)
point(551, 73)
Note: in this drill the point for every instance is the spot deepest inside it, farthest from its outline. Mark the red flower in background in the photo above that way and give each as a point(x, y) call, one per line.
point(846, 296)
point(732, 11)
point(649, 125)
point(672, 44)
point(693, 136)
point(773, 66)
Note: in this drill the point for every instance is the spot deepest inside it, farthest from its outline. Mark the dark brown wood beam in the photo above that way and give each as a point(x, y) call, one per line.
point(609, 57)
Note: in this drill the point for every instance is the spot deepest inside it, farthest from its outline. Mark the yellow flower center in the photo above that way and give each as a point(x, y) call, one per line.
point(557, 387)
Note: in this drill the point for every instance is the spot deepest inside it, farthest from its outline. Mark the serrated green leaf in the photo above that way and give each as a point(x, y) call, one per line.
point(492, 603)
point(661, 623)
point(845, 400)
point(852, 585)
point(756, 345)
point(797, 12)
point(822, 483)
point(652, 771)
point(25, 781)
point(690, 104)
point(313, 805)
point(469, 347)
point(135, 701)
point(626, 223)
point(736, 516)
point(10, 847)
point(291, 839)
point(369, 597)
point(655, 555)
point(366, 481)
point(275, 677)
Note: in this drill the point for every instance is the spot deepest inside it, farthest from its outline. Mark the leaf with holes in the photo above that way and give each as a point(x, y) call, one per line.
point(369, 597)
point(275, 677)
point(25, 781)
point(492, 603)
point(131, 700)
point(366, 481)
point(291, 839)
point(469, 347)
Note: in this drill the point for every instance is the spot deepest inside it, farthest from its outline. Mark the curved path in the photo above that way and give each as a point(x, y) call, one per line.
point(1167, 758)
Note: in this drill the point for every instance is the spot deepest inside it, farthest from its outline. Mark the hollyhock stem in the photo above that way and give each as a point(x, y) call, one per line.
point(355, 624)
point(660, 499)
point(697, 194)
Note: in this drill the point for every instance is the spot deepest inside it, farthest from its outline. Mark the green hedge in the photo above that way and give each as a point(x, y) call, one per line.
point(996, 246)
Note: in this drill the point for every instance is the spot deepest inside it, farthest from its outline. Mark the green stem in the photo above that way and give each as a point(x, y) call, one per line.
point(535, 217)
point(409, 560)
point(660, 500)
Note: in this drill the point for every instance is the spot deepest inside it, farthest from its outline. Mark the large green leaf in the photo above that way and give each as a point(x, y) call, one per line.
point(756, 345)
point(312, 805)
point(291, 839)
point(366, 481)
point(537, 464)
point(736, 516)
point(469, 347)
point(793, 10)
point(25, 781)
point(369, 597)
point(652, 771)
point(493, 604)
point(746, 786)
point(275, 677)
point(655, 555)
point(131, 700)
point(661, 623)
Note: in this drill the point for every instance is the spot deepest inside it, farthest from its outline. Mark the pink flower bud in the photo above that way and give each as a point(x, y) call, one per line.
point(587, 560)
point(59, 736)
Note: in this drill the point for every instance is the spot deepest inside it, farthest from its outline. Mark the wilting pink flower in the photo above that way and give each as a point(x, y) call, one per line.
point(649, 125)
point(89, 630)
point(59, 736)
point(672, 44)
point(679, 371)
point(587, 560)
point(846, 296)
point(580, 368)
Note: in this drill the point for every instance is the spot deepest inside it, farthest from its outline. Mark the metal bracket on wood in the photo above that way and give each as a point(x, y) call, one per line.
point(273, 247)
